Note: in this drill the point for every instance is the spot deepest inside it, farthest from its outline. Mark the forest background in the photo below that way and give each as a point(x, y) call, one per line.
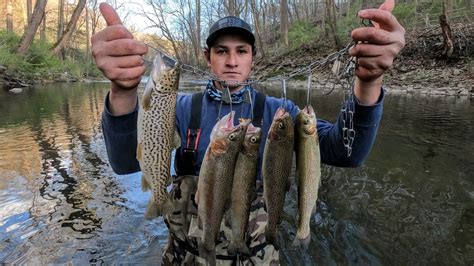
point(49, 40)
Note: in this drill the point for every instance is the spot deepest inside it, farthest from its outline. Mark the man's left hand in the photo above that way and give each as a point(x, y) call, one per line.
point(377, 48)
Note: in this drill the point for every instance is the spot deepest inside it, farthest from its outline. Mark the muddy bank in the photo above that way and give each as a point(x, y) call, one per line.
point(419, 69)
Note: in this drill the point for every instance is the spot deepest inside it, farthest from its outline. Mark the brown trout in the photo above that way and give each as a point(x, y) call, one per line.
point(243, 189)
point(308, 170)
point(277, 159)
point(156, 133)
point(215, 181)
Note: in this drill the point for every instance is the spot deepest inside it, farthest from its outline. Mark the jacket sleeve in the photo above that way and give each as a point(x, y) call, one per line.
point(331, 138)
point(120, 135)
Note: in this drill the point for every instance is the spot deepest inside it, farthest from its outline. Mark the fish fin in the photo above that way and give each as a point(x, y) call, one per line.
point(208, 255)
point(146, 98)
point(152, 210)
point(302, 243)
point(176, 140)
point(145, 185)
point(139, 151)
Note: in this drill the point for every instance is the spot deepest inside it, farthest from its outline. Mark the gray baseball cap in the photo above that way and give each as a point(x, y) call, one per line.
point(230, 25)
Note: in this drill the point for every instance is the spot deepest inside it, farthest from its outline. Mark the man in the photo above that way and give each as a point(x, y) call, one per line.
point(230, 53)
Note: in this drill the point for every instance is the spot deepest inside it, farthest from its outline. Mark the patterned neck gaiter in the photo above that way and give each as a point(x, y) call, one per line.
point(216, 94)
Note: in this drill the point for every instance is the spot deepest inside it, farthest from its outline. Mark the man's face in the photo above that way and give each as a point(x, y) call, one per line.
point(230, 59)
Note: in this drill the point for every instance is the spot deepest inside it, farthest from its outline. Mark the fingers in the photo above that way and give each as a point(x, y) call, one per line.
point(125, 74)
point(388, 5)
point(112, 33)
point(384, 19)
point(109, 14)
point(121, 47)
point(378, 36)
point(121, 62)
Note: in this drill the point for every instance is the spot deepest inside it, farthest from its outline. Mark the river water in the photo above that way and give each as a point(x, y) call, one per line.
point(412, 202)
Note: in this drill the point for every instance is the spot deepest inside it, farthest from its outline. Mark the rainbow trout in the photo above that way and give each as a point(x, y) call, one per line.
point(215, 181)
point(243, 189)
point(156, 133)
point(277, 159)
point(308, 169)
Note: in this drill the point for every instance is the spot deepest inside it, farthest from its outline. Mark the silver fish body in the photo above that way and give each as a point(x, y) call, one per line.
point(276, 166)
point(308, 172)
point(215, 181)
point(243, 189)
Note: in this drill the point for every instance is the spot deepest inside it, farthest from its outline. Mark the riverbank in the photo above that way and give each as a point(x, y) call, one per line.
point(419, 69)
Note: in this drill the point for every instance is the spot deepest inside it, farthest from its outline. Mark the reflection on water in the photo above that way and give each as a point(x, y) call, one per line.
point(412, 201)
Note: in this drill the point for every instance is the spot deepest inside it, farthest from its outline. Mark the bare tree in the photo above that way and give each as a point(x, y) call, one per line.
point(60, 19)
point(29, 34)
point(331, 17)
point(284, 22)
point(157, 18)
point(9, 16)
point(28, 11)
point(71, 26)
point(256, 25)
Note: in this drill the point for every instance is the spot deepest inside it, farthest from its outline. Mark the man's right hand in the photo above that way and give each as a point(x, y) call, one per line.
point(119, 57)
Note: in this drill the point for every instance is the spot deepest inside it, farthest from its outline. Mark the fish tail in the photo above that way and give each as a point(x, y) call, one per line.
point(302, 243)
point(152, 210)
point(208, 255)
point(167, 207)
point(238, 247)
point(271, 238)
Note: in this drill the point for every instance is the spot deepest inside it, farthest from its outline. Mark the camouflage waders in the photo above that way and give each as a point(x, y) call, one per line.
point(182, 248)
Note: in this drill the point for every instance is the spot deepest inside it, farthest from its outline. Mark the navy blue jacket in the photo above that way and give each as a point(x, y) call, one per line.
point(120, 132)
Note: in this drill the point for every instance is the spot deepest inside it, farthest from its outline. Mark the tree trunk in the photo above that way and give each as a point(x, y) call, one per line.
point(36, 19)
point(60, 19)
point(88, 36)
point(332, 22)
point(43, 29)
point(256, 25)
point(62, 42)
point(28, 12)
point(284, 22)
point(447, 34)
point(9, 17)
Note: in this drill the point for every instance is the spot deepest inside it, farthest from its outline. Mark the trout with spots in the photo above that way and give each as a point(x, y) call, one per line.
point(276, 166)
point(156, 133)
point(308, 172)
point(215, 181)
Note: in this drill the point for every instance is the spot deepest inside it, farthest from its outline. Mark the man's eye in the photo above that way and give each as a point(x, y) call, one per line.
point(221, 51)
point(242, 51)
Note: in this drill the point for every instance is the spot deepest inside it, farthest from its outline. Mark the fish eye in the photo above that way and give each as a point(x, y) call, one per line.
point(253, 139)
point(232, 136)
point(280, 125)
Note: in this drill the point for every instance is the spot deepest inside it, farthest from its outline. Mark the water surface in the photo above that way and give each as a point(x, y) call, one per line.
point(412, 202)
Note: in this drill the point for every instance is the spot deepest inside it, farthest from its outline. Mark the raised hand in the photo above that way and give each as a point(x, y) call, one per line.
point(377, 48)
point(119, 57)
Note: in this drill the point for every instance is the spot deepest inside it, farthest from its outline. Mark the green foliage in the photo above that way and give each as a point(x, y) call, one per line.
point(301, 33)
point(40, 62)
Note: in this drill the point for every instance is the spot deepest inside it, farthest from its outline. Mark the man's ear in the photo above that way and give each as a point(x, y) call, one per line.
point(207, 55)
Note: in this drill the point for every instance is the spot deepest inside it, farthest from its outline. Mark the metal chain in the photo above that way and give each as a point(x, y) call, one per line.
point(345, 77)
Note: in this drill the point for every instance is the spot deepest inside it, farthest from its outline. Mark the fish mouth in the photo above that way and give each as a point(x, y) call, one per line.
point(308, 109)
point(163, 62)
point(281, 113)
point(251, 129)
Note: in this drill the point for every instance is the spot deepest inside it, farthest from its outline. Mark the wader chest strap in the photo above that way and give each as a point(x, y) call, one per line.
point(193, 135)
point(258, 108)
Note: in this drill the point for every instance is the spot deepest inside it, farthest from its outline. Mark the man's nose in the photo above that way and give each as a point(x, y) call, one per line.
point(232, 60)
